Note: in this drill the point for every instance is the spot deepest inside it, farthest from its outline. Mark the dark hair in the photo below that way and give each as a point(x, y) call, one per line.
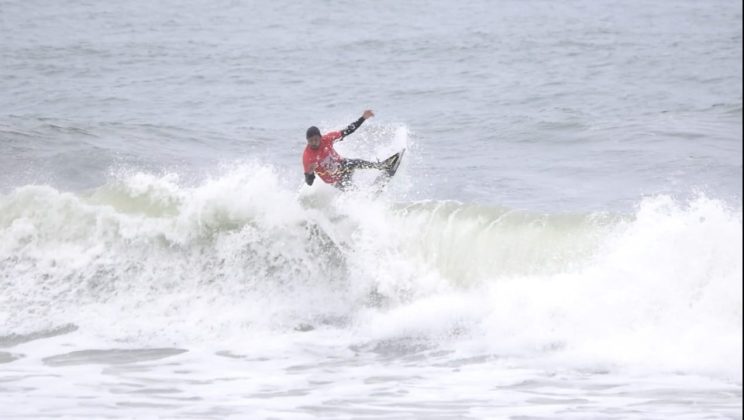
point(312, 131)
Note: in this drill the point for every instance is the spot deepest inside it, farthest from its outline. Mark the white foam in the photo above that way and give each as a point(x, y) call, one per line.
point(241, 253)
point(663, 292)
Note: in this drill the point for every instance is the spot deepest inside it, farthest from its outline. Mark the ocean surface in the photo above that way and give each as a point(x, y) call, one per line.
point(563, 239)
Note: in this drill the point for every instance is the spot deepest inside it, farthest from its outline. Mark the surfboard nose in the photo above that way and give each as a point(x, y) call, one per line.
point(395, 162)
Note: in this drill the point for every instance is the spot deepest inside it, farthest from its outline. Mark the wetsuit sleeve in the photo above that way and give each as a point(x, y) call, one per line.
point(309, 174)
point(351, 128)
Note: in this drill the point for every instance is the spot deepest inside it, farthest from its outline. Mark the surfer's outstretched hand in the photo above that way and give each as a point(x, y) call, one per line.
point(368, 114)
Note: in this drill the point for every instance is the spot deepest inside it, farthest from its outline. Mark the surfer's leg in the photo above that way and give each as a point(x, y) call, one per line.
point(352, 164)
point(343, 183)
point(349, 166)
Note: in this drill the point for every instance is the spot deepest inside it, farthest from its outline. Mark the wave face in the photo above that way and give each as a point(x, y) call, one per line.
point(146, 258)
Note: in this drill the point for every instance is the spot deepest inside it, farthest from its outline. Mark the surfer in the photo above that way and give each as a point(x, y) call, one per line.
point(321, 158)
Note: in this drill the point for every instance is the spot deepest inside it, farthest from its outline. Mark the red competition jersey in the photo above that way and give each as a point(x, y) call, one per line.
point(328, 160)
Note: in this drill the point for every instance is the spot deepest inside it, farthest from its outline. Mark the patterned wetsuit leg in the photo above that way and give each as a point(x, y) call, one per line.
point(348, 168)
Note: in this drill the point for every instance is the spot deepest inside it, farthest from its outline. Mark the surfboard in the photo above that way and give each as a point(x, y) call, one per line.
point(391, 167)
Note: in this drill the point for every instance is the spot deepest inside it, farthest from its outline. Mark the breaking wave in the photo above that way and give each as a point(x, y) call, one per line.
point(147, 258)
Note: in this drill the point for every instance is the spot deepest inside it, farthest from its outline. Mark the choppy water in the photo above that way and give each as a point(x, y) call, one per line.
point(563, 240)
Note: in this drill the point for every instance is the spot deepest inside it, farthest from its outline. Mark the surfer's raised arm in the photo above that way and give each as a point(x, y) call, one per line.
point(353, 126)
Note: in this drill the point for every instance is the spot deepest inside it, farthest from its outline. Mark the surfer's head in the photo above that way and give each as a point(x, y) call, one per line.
point(313, 137)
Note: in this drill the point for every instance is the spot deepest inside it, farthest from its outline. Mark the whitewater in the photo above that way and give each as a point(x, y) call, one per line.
point(280, 294)
point(563, 239)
